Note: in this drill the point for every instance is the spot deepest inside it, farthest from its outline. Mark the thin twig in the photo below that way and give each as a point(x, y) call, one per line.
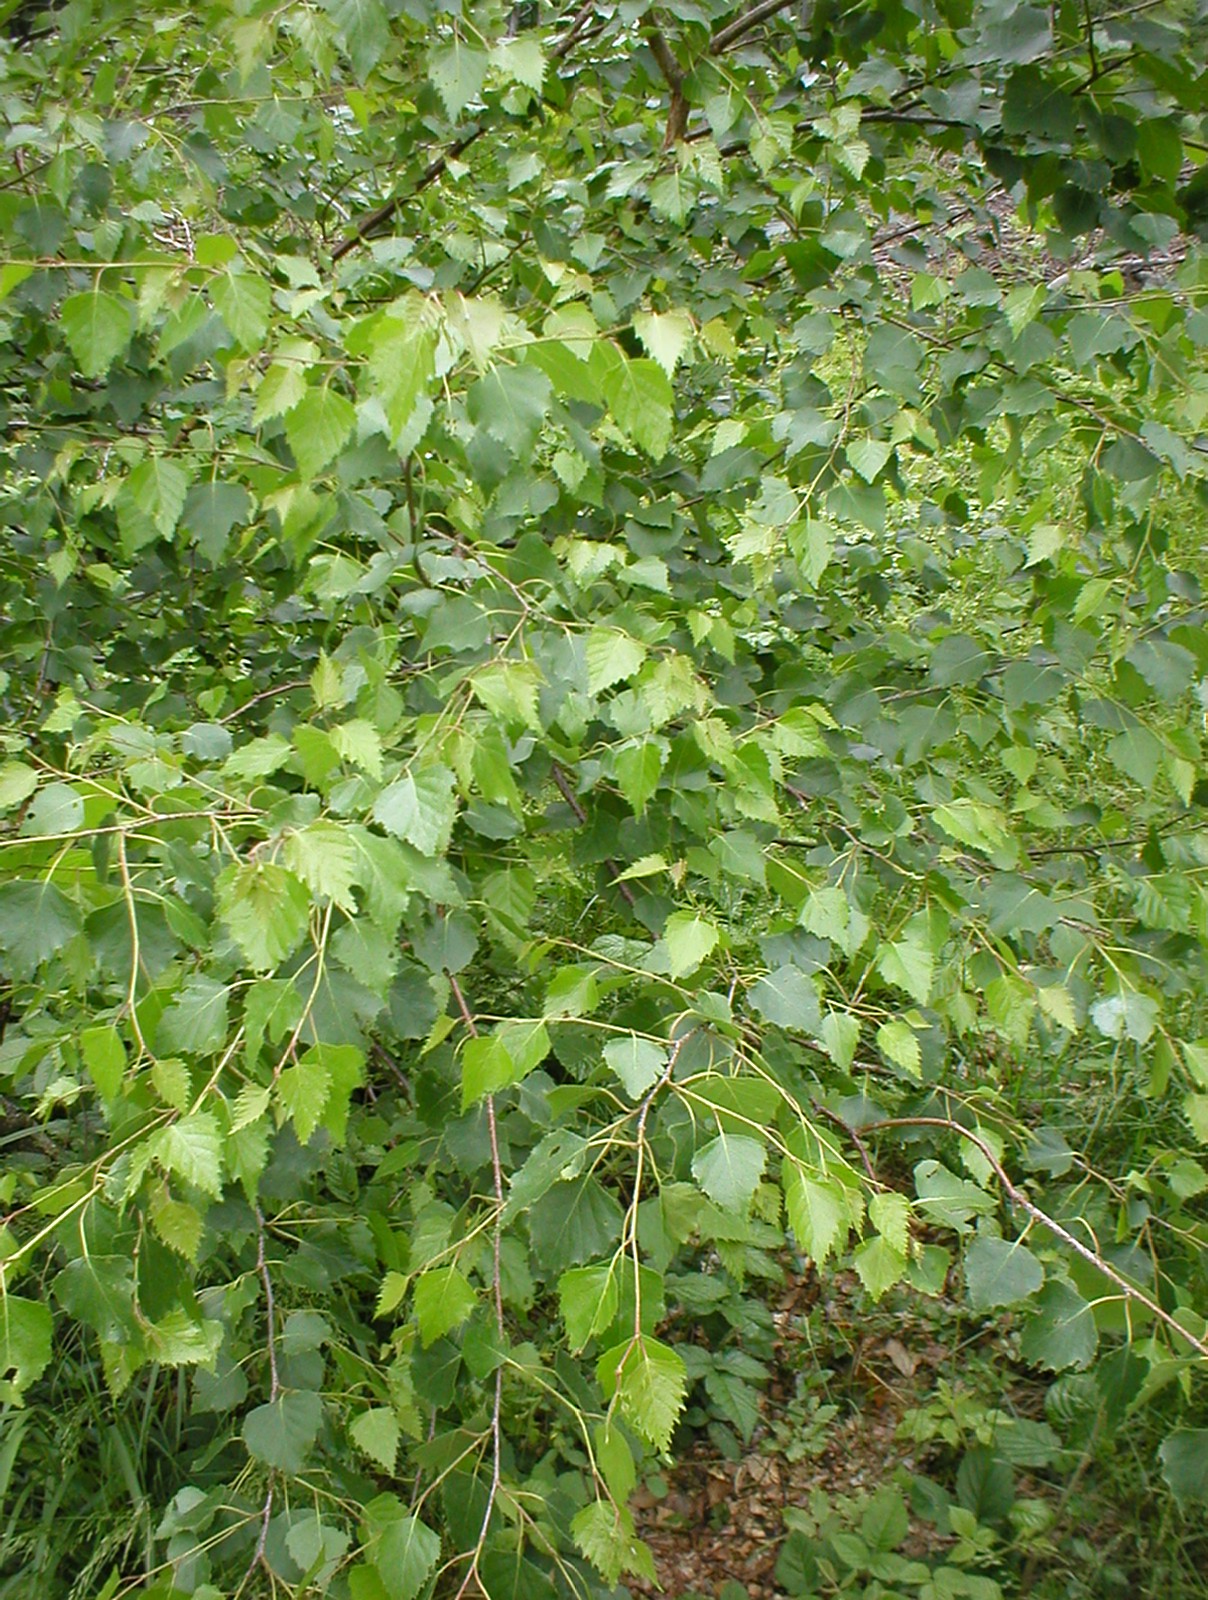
point(566, 789)
point(274, 1383)
point(1018, 1198)
point(497, 1286)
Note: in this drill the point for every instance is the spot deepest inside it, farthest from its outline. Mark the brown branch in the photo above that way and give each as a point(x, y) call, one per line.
point(677, 116)
point(568, 794)
point(386, 210)
point(725, 37)
point(439, 164)
point(1018, 1198)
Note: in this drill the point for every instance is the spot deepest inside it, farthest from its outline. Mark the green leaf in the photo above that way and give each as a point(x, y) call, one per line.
point(907, 966)
point(282, 1433)
point(243, 301)
point(443, 1301)
point(36, 921)
point(612, 657)
point(377, 1432)
point(788, 998)
point(879, 1265)
point(589, 1299)
point(690, 939)
point(26, 1330)
point(999, 1272)
point(150, 503)
point(573, 1222)
point(403, 1549)
point(1184, 1457)
point(364, 30)
point(665, 336)
point(17, 783)
point(304, 1090)
point(819, 1213)
point(605, 1534)
point(98, 327)
point(1061, 1332)
point(196, 1021)
point(650, 1382)
point(318, 428)
point(520, 60)
point(191, 1148)
point(497, 1060)
point(638, 768)
point(324, 856)
point(640, 398)
point(266, 909)
point(457, 71)
point(897, 1043)
point(728, 1169)
point(105, 1057)
point(511, 403)
point(639, 1063)
point(419, 807)
point(980, 826)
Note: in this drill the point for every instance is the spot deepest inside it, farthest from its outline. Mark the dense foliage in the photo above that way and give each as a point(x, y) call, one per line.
point(604, 668)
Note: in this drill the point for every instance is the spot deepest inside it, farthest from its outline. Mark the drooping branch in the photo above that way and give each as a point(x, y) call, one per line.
point(1018, 1198)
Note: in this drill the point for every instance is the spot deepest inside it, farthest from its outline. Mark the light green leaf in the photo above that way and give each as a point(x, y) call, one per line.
point(520, 60)
point(376, 1432)
point(324, 856)
point(443, 1300)
point(105, 1057)
point(641, 400)
point(612, 657)
point(191, 1149)
point(897, 1043)
point(650, 1382)
point(17, 783)
point(819, 1213)
point(879, 1265)
point(605, 1534)
point(303, 1090)
point(980, 826)
point(690, 939)
point(457, 71)
point(589, 1299)
point(729, 1168)
point(318, 428)
point(639, 1063)
point(243, 301)
point(638, 768)
point(419, 807)
point(266, 909)
point(909, 966)
point(665, 336)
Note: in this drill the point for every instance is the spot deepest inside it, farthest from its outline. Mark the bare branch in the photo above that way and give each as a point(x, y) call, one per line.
point(725, 37)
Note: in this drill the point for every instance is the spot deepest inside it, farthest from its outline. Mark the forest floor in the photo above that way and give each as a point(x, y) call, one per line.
point(830, 1422)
